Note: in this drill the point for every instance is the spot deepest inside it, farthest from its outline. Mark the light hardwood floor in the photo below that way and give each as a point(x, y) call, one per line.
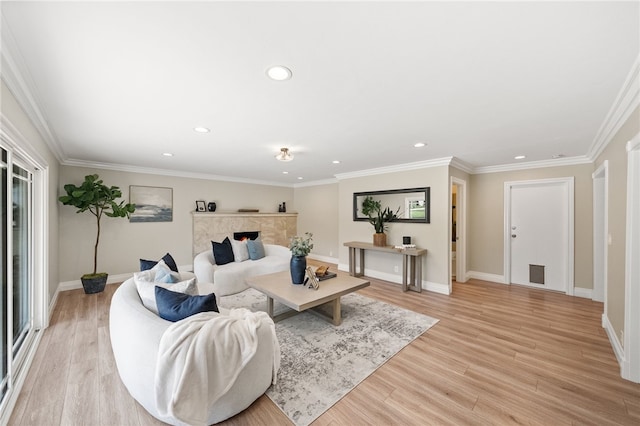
point(499, 355)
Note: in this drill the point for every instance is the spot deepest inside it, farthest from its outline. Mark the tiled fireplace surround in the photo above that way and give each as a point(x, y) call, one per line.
point(274, 228)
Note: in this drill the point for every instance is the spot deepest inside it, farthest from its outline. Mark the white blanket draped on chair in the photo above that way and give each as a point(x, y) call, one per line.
point(200, 358)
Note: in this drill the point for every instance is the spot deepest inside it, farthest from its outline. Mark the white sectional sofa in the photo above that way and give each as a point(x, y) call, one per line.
point(135, 337)
point(230, 278)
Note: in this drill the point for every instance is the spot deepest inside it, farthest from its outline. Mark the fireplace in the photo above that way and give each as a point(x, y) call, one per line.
point(246, 235)
point(273, 228)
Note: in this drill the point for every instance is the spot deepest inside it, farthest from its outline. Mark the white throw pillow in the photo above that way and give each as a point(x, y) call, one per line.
point(240, 250)
point(160, 273)
point(147, 289)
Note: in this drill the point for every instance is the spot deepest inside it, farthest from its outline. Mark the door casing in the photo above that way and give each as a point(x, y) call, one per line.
point(568, 182)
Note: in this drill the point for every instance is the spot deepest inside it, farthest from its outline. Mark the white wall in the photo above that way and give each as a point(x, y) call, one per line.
point(122, 244)
point(616, 154)
point(485, 216)
point(317, 208)
point(433, 236)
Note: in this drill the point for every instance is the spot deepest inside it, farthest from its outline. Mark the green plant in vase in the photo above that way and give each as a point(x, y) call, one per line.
point(300, 247)
point(95, 197)
point(379, 218)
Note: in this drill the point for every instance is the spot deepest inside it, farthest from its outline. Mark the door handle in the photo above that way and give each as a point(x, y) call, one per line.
point(513, 235)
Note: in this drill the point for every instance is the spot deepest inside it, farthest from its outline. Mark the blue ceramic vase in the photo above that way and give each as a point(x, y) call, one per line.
point(298, 267)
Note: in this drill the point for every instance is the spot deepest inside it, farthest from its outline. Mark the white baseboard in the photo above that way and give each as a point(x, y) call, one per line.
point(73, 285)
point(436, 287)
point(613, 339)
point(327, 259)
point(397, 279)
point(486, 277)
point(585, 293)
point(343, 267)
point(52, 305)
point(185, 267)
point(112, 279)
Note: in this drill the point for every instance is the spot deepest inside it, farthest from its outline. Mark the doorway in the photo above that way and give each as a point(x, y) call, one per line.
point(539, 234)
point(457, 258)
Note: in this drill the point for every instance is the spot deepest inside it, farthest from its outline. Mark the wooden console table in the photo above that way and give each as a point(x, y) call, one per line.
point(411, 262)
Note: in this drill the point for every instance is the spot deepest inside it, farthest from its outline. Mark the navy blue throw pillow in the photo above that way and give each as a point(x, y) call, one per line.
point(173, 306)
point(145, 265)
point(223, 252)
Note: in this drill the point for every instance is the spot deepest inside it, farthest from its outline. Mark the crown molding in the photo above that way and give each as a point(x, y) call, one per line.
point(461, 165)
point(626, 102)
point(396, 168)
point(165, 172)
point(634, 143)
point(11, 135)
point(559, 162)
point(316, 183)
point(17, 78)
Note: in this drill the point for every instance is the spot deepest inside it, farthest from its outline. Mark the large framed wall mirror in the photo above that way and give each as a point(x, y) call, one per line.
point(413, 204)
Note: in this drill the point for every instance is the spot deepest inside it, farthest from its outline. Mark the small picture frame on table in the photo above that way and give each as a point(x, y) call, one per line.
point(201, 206)
point(313, 280)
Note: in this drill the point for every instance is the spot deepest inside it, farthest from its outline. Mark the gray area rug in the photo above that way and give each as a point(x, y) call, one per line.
point(321, 363)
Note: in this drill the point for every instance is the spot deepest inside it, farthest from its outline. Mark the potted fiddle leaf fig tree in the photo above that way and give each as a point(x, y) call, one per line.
point(379, 218)
point(98, 199)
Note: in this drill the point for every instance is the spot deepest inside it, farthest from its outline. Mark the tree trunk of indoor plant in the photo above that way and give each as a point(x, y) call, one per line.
point(380, 239)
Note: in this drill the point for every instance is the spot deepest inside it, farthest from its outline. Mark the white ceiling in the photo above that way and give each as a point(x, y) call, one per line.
point(123, 82)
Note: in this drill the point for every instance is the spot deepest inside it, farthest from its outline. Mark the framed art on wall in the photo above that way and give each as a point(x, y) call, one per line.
point(153, 204)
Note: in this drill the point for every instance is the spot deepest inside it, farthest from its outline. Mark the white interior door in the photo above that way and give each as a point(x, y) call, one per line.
point(538, 234)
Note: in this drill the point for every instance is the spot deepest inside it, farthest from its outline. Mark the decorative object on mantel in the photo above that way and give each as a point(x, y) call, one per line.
point(98, 199)
point(379, 218)
point(300, 247)
point(282, 208)
point(211, 206)
point(248, 210)
point(200, 206)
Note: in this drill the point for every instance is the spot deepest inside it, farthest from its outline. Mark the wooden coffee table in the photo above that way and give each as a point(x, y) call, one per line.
point(278, 287)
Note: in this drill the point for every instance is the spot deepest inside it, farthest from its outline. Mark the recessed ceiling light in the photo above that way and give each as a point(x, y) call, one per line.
point(336, 161)
point(201, 129)
point(285, 173)
point(520, 157)
point(299, 177)
point(167, 154)
point(279, 73)
point(419, 144)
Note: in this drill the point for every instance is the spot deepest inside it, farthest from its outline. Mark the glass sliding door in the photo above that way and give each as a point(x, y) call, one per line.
point(21, 256)
point(4, 316)
point(24, 297)
point(17, 329)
